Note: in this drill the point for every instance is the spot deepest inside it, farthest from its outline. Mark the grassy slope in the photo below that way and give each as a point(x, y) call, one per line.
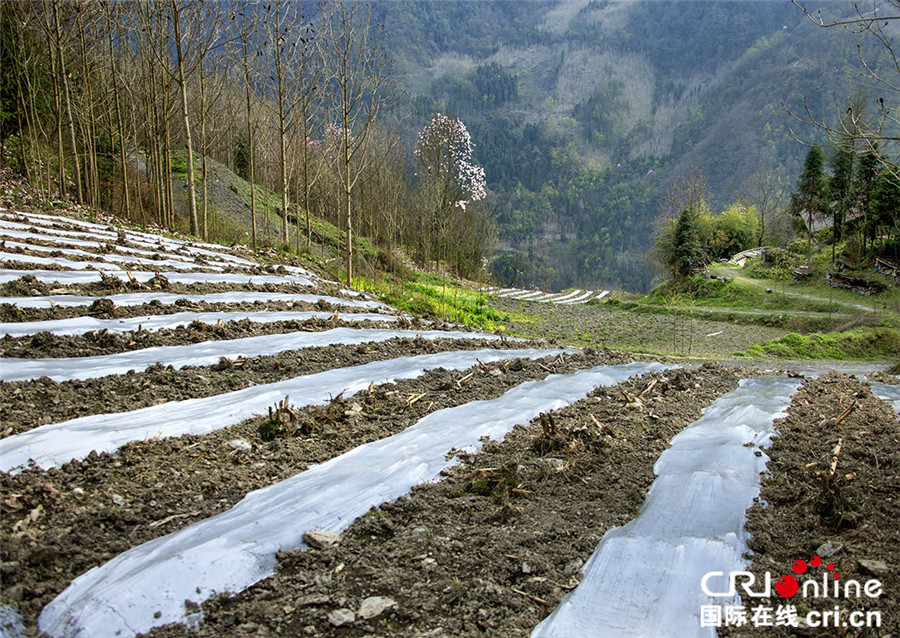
point(821, 322)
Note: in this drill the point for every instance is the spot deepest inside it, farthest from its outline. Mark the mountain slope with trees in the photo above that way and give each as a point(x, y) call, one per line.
point(586, 113)
point(586, 116)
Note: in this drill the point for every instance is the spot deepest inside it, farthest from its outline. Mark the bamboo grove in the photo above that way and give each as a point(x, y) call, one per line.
point(103, 103)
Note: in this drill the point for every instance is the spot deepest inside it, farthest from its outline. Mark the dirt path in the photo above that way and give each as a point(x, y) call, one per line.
point(735, 274)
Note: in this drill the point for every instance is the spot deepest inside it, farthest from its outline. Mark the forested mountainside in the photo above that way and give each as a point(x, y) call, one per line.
point(585, 112)
point(585, 116)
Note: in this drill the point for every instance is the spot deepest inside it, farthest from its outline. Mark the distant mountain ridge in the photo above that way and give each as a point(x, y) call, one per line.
point(585, 111)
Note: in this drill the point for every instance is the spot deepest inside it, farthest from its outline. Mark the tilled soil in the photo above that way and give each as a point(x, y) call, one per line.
point(29, 286)
point(591, 326)
point(96, 255)
point(102, 342)
point(493, 546)
point(106, 309)
point(28, 404)
point(61, 522)
point(847, 512)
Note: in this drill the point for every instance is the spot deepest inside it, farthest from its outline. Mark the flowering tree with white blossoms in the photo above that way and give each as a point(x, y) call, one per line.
point(445, 150)
point(449, 180)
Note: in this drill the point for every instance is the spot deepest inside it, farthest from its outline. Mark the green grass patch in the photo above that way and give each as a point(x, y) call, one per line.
point(770, 318)
point(180, 167)
point(223, 229)
point(859, 343)
point(781, 280)
point(699, 291)
point(430, 295)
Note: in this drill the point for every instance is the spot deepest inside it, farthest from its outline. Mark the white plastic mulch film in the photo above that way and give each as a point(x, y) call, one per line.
point(153, 323)
point(72, 277)
point(11, 623)
point(57, 443)
point(50, 225)
point(179, 263)
point(889, 393)
point(644, 578)
point(168, 298)
point(149, 584)
point(207, 352)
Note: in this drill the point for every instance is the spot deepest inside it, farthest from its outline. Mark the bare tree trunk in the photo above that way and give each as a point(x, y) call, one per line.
point(284, 180)
point(119, 125)
point(176, 19)
point(348, 188)
point(156, 163)
point(92, 173)
point(250, 155)
point(203, 170)
point(282, 132)
point(65, 81)
point(167, 158)
point(57, 103)
point(21, 100)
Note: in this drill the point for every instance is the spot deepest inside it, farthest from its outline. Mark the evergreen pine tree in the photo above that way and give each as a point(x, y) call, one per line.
point(841, 185)
point(811, 200)
point(864, 185)
point(687, 249)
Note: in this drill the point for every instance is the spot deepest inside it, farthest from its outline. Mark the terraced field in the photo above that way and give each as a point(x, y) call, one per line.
point(190, 437)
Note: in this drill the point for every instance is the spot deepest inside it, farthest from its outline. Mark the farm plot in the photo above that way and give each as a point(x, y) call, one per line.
point(564, 298)
point(157, 487)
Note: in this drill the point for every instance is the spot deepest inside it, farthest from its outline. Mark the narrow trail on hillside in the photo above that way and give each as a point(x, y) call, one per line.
point(735, 274)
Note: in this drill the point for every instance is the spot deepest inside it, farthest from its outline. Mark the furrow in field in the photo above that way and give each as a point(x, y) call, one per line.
point(178, 264)
point(153, 323)
point(690, 524)
point(58, 443)
point(54, 226)
point(148, 585)
point(67, 277)
point(139, 298)
point(207, 352)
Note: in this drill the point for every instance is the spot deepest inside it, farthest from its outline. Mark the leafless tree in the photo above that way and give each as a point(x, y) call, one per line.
point(690, 191)
point(766, 191)
point(308, 108)
point(110, 10)
point(246, 25)
point(879, 133)
point(177, 9)
point(286, 32)
point(359, 86)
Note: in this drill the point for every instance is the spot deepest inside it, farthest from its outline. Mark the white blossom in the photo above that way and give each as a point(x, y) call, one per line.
point(445, 149)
